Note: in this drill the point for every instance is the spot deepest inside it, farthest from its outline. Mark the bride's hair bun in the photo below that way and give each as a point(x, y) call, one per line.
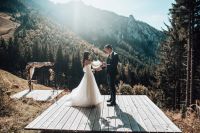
point(86, 54)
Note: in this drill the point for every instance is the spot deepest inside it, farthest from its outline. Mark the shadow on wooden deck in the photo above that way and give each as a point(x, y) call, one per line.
point(103, 122)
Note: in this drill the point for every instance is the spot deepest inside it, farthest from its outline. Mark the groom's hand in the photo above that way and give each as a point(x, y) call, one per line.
point(104, 64)
point(98, 69)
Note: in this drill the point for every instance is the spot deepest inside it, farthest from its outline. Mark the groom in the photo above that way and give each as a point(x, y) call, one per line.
point(111, 64)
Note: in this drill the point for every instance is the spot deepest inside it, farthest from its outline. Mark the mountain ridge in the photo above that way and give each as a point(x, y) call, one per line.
point(100, 27)
point(135, 40)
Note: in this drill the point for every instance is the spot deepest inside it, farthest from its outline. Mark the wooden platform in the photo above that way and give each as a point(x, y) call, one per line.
point(37, 95)
point(132, 114)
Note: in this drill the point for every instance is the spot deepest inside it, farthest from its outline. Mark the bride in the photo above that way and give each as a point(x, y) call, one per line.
point(87, 93)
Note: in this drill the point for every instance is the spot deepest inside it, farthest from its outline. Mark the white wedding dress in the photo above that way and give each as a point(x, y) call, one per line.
point(87, 93)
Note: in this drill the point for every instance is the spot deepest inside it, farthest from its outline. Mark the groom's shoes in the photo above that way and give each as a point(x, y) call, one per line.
point(109, 100)
point(111, 104)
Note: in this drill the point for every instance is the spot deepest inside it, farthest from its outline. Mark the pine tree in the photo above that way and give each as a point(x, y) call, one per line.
point(13, 55)
point(178, 74)
point(50, 56)
point(44, 56)
point(172, 70)
point(195, 19)
point(59, 68)
point(76, 69)
point(66, 69)
point(36, 52)
point(3, 54)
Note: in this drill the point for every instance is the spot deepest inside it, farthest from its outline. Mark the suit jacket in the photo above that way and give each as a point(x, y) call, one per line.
point(113, 61)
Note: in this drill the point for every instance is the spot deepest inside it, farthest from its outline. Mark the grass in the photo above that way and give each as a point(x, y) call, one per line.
point(16, 114)
point(7, 26)
point(189, 124)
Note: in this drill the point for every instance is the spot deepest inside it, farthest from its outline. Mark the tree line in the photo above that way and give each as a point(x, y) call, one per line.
point(179, 71)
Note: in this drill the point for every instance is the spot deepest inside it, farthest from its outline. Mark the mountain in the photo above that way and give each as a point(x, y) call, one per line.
point(135, 39)
point(31, 27)
point(60, 33)
point(38, 38)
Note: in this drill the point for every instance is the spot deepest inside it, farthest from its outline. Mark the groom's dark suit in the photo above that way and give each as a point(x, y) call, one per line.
point(112, 60)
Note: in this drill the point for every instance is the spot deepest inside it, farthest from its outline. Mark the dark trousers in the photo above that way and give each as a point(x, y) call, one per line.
point(111, 83)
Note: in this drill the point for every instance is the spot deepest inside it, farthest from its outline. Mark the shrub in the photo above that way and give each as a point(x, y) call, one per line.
point(104, 89)
point(140, 90)
point(157, 96)
point(125, 89)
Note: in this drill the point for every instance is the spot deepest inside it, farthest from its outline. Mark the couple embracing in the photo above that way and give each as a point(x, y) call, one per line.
point(87, 93)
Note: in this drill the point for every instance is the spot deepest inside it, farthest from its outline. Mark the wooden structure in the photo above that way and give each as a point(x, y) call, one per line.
point(38, 95)
point(30, 69)
point(134, 113)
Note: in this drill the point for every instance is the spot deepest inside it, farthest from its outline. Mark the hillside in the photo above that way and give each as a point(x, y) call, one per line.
point(15, 114)
point(14, 84)
point(42, 37)
point(136, 40)
point(31, 26)
point(7, 26)
point(39, 38)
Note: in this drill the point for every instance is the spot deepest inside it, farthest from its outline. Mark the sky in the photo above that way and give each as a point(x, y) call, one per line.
point(153, 12)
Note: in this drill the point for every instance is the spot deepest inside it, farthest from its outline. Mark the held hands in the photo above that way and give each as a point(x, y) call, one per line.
point(98, 69)
point(98, 65)
point(104, 64)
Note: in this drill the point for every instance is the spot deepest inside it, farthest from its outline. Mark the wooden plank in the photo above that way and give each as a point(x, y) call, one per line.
point(165, 118)
point(104, 115)
point(53, 116)
point(64, 119)
point(84, 119)
point(124, 116)
point(47, 116)
point(147, 122)
point(146, 111)
point(71, 119)
point(55, 122)
point(134, 125)
point(90, 121)
point(79, 117)
point(132, 114)
point(104, 102)
point(112, 119)
point(38, 95)
point(118, 122)
point(20, 94)
point(97, 122)
point(159, 123)
point(55, 106)
point(136, 115)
